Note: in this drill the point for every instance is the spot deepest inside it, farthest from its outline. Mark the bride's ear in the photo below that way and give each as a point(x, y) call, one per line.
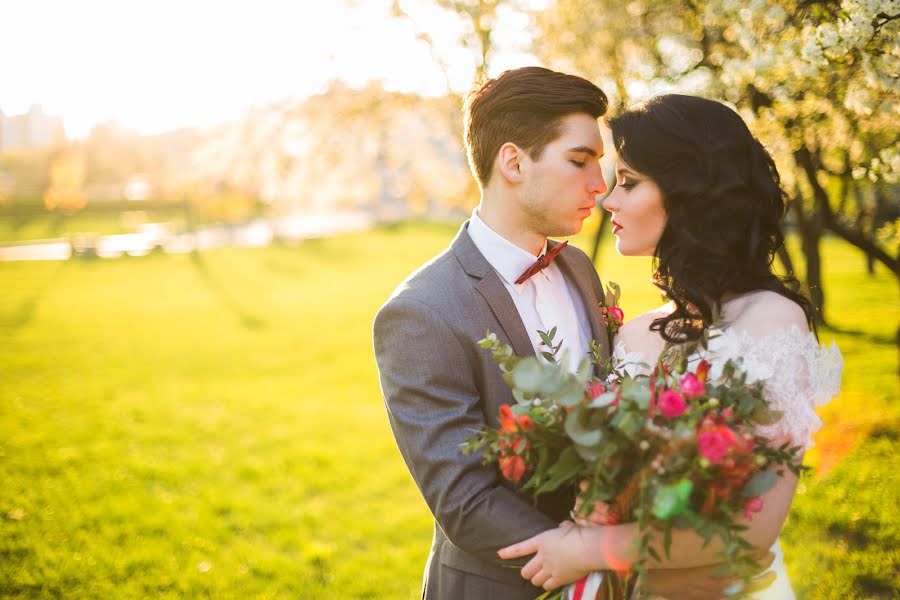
point(509, 162)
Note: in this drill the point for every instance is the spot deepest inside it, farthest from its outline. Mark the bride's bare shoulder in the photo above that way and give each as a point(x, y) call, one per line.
point(764, 312)
point(640, 325)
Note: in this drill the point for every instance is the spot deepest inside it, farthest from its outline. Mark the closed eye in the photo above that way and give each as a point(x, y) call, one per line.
point(578, 163)
point(627, 184)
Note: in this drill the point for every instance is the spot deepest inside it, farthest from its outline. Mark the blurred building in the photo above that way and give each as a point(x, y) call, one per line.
point(32, 130)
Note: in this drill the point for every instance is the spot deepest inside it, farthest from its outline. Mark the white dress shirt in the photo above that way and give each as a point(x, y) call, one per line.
point(544, 301)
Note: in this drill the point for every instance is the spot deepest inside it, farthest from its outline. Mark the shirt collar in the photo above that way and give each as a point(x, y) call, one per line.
point(506, 258)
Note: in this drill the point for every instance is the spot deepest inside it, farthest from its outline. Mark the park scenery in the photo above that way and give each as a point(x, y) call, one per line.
point(189, 403)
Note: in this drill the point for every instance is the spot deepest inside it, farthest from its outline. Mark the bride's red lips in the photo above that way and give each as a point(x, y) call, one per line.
point(616, 227)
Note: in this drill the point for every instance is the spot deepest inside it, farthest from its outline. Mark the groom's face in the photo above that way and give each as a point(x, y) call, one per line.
point(560, 187)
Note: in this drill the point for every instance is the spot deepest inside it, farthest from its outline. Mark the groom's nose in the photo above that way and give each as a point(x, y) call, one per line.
point(597, 185)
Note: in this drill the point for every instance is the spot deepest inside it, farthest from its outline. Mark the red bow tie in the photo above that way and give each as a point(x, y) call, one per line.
point(541, 263)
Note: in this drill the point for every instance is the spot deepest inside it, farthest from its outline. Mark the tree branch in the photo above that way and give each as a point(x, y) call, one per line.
point(805, 159)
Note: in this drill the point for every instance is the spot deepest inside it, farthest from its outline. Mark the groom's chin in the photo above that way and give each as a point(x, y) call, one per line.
point(566, 230)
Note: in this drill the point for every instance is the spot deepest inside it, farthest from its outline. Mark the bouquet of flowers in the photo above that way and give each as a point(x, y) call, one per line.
point(674, 449)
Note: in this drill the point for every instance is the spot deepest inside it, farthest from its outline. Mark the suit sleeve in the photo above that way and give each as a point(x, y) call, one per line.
point(434, 406)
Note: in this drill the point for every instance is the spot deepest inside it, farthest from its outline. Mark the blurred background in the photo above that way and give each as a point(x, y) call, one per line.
point(203, 204)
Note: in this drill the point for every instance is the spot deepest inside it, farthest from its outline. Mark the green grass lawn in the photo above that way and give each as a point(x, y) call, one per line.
point(211, 426)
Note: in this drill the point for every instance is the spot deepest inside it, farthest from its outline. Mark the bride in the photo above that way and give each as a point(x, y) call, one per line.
point(700, 194)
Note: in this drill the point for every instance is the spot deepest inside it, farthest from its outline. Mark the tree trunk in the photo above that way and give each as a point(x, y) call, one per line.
point(810, 229)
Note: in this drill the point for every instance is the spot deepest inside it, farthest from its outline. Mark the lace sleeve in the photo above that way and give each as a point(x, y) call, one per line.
point(633, 363)
point(798, 374)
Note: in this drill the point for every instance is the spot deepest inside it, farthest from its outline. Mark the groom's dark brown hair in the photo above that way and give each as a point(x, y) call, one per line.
point(523, 106)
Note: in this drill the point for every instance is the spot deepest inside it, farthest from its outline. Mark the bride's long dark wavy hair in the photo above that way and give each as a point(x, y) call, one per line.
point(724, 205)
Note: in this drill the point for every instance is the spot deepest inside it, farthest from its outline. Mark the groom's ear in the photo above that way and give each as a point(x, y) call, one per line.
point(509, 162)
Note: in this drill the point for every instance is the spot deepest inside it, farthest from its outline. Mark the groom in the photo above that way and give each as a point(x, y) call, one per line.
point(533, 144)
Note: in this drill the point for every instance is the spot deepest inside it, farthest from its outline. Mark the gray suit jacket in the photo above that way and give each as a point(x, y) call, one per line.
point(440, 388)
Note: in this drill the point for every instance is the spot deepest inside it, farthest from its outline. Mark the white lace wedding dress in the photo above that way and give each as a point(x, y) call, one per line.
point(799, 374)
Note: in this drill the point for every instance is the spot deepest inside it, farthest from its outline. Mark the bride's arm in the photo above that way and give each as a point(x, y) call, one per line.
point(569, 551)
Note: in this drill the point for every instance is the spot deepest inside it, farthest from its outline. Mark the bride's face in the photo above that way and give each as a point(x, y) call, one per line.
point(638, 215)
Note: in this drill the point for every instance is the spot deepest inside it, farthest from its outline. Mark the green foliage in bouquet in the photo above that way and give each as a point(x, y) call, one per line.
point(674, 449)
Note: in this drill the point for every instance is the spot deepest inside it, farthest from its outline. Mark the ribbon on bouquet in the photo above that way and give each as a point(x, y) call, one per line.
point(586, 588)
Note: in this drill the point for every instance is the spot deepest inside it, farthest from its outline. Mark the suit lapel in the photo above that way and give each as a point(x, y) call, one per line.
point(491, 288)
point(495, 293)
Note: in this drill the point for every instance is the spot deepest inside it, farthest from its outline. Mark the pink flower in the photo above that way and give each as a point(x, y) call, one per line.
point(754, 505)
point(595, 389)
point(715, 444)
point(671, 404)
point(691, 386)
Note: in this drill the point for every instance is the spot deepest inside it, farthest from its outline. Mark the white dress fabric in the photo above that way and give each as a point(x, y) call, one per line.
point(799, 375)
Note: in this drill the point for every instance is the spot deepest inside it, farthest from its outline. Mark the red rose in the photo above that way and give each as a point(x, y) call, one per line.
point(617, 314)
point(715, 443)
point(691, 386)
point(671, 404)
point(512, 467)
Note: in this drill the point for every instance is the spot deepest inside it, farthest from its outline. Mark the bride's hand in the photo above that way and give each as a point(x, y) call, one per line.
point(558, 556)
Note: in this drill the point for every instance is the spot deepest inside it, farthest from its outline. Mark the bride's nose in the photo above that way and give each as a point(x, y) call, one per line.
point(610, 203)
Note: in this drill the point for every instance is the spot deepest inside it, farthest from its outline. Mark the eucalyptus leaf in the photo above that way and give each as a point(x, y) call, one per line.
point(527, 375)
point(521, 409)
point(760, 484)
point(632, 391)
point(520, 397)
point(589, 453)
point(580, 431)
point(553, 380)
point(570, 393)
point(603, 400)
